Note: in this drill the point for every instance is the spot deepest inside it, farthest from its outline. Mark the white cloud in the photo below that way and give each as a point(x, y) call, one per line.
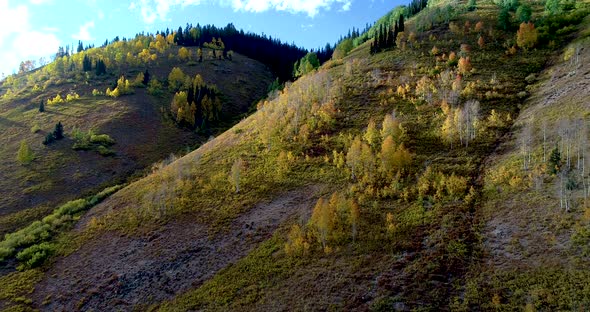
point(309, 7)
point(36, 2)
point(84, 32)
point(19, 41)
point(151, 10)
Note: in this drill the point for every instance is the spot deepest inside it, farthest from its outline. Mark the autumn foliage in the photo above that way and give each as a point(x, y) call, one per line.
point(527, 36)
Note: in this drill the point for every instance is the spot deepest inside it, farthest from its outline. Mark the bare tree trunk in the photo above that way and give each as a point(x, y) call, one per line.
point(544, 141)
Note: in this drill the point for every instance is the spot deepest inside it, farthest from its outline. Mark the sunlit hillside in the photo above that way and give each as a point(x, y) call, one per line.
point(436, 162)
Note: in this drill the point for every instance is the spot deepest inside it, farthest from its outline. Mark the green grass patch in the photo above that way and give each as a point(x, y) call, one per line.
point(34, 237)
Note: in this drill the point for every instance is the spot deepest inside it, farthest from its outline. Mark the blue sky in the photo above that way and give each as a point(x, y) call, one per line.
point(30, 29)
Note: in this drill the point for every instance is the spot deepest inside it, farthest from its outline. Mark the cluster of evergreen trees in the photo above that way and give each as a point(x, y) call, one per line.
point(278, 56)
point(198, 106)
point(57, 134)
point(386, 36)
point(99, 66)
point(416, 6)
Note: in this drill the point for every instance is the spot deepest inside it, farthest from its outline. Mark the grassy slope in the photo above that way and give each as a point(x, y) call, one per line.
point(419, 264)
point(142, 133)
point(536, 253)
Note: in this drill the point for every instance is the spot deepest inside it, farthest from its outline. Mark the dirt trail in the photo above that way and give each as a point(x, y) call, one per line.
point(114, 272)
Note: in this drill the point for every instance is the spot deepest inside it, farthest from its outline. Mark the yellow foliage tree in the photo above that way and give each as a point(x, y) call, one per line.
point(176, 79)
point(322, 220)
point(465, 65)
point(372, 134)
point(183, 54)
point(527, 36)
point(353, 157)
point(236, 173)
point(25, 155)
point(296, 244)
point(392, 127)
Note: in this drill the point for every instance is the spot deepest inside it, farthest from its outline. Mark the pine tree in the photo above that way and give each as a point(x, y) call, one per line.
point(555, 161)
point(41, 107)
point(86, 64)
point(401, 26)
point(49, 138)
point(146, 77)
point(58, 132)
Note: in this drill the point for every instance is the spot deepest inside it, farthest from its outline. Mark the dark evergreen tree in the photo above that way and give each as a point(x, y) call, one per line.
point(41, 107)
point(58, 132)
point(101, 67)
point(146, 77)
point(401, 27)
point(49, 138)
point(86, 64)
point(555, 161)
point(80, 46)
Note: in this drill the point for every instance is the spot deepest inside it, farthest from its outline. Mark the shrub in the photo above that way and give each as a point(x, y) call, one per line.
point(71, 207)
point(39, 232)
point(154, 87)
point(72, 97)
point(103, 139)
point(56, 100)
point(105, 151)
point(35, 128)
point(34, 256)
point(95, 92)
point(25, 155)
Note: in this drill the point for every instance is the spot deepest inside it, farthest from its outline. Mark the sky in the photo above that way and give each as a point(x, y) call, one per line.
point(31, 29)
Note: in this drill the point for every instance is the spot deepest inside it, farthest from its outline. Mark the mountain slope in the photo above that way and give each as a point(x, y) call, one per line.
point(138, 123)
point(536, 247)
point(357, 187)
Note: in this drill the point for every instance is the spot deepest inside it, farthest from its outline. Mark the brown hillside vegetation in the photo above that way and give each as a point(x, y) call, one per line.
point(141, 132)
point(535, 218)
point(384, 180)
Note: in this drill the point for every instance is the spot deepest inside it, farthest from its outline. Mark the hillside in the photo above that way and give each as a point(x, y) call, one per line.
point(138, 123)
point(534, 218)
point(408, 178)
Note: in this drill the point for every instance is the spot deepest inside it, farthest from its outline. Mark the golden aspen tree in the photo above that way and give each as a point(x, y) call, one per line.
point(176, 79)
point(372, 134)
point(236, 174)
point(465, 65)
point(322, 219)
point(183, 54)
point(387, 156)
point(392, 127)
point(353, 157)
point(527, 36)
point(296, 243)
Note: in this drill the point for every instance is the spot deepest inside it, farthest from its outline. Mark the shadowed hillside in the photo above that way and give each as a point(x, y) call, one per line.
point(139, 123)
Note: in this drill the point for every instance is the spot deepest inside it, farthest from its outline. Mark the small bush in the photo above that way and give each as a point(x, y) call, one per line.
point(34, 256)
point(103, 139)
point(72, 97)
point(95, 92)
point(35, 128)
point(105, 151)
point(56, 100)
